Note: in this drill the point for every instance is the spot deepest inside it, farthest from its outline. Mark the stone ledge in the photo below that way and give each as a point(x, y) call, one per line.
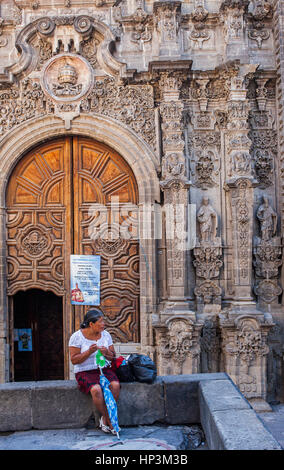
point(228, 420)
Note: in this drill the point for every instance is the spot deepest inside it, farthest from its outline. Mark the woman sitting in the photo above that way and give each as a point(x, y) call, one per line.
point(83, 345)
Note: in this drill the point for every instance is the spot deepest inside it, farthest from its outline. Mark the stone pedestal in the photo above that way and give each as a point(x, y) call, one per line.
point(178, 345)
point(245, 349)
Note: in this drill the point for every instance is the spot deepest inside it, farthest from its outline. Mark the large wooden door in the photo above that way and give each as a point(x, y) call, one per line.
point(51, 213)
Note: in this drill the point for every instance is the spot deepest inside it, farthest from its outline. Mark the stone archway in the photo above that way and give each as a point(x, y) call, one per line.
point(142, 162)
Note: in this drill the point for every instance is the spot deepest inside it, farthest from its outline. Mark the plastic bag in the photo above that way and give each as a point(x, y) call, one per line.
point(122, 370)
point(124, 373)
point(143, 368)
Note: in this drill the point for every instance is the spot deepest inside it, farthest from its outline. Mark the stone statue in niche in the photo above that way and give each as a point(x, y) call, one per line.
point(268, 220)
point(208, 222)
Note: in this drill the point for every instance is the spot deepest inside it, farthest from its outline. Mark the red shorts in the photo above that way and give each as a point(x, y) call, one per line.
point(87, 378)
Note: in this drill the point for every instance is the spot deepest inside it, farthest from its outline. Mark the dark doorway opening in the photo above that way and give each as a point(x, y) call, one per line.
point(38, 355)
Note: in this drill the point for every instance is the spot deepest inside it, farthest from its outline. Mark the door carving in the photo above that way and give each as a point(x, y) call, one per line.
point(51, 214)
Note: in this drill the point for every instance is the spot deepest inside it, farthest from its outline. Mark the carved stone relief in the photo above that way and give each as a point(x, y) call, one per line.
point(208, 259)
point(267, 253)
point(179, 346)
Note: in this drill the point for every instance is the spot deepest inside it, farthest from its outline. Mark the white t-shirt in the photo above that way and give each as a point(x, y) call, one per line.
point(78, 340)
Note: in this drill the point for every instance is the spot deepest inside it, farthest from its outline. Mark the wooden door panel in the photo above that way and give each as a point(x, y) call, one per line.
point(100, 174)
point(39, 218)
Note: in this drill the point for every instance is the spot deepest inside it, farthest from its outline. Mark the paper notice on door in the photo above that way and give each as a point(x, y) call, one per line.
point(25, 339)
point(85, 279)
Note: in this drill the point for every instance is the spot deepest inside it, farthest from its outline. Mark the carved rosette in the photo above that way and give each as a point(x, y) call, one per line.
point(34, 243)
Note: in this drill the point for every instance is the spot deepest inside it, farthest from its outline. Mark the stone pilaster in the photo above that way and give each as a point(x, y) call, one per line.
point(278, 31)
point(175, 185)
point(245, 350)
point(167, 19)
point(178, 332)
point(240, 181)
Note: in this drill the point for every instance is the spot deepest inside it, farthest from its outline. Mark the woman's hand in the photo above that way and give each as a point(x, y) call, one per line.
point(107, 353)
point(93, 348)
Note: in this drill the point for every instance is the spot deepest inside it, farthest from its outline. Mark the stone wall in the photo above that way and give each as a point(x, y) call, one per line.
point(197, 85)
point(228, 420)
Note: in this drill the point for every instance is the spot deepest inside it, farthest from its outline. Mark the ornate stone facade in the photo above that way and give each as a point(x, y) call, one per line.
point(190, 94)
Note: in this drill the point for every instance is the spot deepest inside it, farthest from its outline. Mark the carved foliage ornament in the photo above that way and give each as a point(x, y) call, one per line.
point(132, 105)
point(248, 343)
point(268, 290)
point(180, 342)
point(208, 261)
point(206, 169)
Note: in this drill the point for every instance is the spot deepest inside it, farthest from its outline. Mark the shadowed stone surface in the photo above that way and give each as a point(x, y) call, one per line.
point(138, 438)
point(228, 420)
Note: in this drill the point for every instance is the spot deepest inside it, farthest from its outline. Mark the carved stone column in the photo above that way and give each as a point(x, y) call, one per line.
point(240, 181)
point(177, 331)
point(232, 14)
point(175, 185)
point(244, 328)
point(4, 345)
point(167, 18)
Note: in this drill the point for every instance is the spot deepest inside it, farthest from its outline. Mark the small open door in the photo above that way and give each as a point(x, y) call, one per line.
point(38, 336)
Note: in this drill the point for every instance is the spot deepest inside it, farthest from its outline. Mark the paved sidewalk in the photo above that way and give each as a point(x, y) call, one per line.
point(158, 438)
point(274, 422)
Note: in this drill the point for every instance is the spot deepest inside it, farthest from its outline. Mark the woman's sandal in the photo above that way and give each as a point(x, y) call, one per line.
point(104, 427)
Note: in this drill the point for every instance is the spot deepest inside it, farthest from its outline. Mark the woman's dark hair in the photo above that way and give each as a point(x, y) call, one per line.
point(93, 315)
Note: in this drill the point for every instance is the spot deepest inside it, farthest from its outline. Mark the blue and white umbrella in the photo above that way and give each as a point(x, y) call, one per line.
point(110, 403)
